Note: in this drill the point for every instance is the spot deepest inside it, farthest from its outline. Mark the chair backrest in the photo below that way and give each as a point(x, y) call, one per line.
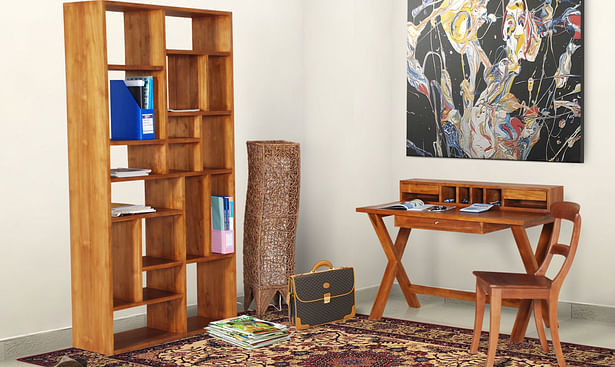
point(569, 211)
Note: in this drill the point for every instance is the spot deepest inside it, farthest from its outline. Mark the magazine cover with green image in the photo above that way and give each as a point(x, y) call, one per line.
point(248, 325)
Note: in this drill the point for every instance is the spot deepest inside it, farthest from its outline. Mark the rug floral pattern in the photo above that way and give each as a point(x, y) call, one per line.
point(356, 342)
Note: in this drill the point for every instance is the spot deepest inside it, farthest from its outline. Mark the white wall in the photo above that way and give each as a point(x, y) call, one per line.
point(34, 232)
point(328, 74)
point(345, 155)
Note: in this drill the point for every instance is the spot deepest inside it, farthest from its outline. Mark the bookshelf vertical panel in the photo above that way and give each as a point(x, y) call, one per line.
point(216, 289)
point(203, 93)
point(144, 39)
point(198, 216)
point(90, 189)
point(218, 150)
point(126, 248)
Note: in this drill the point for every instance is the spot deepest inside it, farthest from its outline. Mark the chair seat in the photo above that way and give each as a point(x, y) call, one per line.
point(513, 280)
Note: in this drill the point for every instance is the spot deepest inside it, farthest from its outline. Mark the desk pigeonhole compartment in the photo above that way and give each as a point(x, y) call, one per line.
point(429, 193)
point(525, 199)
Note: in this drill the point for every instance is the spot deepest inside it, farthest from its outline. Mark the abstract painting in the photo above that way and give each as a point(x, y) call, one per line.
point(495, 79)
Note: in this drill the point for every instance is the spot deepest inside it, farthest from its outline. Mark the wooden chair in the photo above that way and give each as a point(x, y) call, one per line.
point(536, 287)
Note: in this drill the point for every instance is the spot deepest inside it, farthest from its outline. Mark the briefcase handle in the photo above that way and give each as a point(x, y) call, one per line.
point(320, 264)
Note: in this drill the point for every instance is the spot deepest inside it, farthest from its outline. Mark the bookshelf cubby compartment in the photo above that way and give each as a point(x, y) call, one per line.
point(183, 82)
point(217, 132)
point(185, 155)
point(191, 158)
point(537, 198)
point(219, 72)
point(184, 126)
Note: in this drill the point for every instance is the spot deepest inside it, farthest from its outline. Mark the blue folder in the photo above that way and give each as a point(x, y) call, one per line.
point(128, 120)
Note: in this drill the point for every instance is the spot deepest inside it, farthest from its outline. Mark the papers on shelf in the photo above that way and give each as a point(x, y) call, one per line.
point(476, 208)
point(130, 172)
point(184, 110)
point(248, 331)
point(118, 210)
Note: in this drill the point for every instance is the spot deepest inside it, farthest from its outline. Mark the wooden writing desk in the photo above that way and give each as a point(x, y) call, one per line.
point(521, 207)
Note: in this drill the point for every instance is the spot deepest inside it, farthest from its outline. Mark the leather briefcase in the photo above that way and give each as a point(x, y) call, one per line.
point(319, 297)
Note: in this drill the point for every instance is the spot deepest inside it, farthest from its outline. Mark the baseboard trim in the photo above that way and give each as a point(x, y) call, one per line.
point(43, 342)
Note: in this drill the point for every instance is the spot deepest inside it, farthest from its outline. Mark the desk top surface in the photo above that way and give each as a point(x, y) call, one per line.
point(495, 215)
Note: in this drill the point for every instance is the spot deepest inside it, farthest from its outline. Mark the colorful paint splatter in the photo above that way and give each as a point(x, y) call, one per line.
point(495, 79)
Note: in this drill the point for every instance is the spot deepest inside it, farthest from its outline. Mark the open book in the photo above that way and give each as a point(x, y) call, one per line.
point(412, 205)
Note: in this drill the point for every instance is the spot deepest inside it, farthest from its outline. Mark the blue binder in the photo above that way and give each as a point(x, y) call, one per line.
point(128, 120)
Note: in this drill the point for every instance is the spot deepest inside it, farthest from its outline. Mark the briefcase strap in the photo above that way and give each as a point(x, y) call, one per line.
point(322, 263)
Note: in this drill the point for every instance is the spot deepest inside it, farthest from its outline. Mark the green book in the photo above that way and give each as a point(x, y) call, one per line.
point(217, 212)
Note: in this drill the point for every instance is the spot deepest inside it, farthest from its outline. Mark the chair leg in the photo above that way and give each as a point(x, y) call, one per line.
point(539, 328)
point(494, 325)
point(555, 332)
point(478, 318)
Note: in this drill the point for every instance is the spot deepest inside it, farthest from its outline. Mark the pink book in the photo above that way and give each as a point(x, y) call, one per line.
point(222, 242)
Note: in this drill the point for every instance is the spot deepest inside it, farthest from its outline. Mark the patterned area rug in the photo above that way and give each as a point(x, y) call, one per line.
point(356, 342)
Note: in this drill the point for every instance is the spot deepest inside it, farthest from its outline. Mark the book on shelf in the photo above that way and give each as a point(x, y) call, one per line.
point(476, 208)
point(136, 88)
point(118, 209)
point(416, 205)
point(130, 172)
point(147, 89)
point(222, 228)
point(248, 331)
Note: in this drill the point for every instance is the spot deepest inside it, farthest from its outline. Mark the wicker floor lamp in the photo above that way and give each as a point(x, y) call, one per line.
point(270, 223)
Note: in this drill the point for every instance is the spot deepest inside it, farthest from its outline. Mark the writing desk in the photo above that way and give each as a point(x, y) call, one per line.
point(496, 219)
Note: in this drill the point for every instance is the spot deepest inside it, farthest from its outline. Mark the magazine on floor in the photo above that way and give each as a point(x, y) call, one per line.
point(248, 331)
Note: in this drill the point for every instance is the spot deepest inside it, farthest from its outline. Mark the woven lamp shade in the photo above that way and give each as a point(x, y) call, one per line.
point(270, 224)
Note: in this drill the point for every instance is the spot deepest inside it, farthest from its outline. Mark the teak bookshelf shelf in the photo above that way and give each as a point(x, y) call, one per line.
point(191, 159)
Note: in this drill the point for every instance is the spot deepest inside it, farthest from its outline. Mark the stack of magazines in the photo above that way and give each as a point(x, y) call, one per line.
point(248, 331)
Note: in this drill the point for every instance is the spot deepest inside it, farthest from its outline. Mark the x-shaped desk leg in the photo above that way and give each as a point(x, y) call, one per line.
point(531, 262)
point(394, 268)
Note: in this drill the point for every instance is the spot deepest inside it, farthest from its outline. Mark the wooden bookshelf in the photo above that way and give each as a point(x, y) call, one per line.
point(191, 158)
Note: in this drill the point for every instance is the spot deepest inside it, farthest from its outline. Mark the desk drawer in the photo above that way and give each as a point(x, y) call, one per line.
point(414, 188)
point(537, 195)
point(447, 225)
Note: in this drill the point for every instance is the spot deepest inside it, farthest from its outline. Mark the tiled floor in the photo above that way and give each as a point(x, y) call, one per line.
point(461, 314)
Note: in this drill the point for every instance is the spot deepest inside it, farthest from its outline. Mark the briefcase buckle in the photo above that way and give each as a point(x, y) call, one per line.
point(327, 297)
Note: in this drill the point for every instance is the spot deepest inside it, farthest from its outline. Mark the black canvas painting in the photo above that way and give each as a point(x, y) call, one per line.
point(495, 79)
